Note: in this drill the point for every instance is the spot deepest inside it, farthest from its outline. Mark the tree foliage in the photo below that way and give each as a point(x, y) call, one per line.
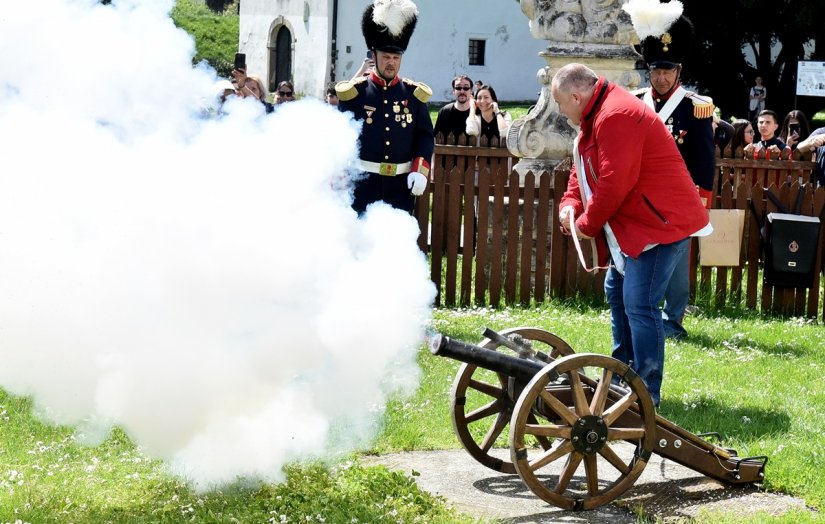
point(773, 32)
point(215, 34)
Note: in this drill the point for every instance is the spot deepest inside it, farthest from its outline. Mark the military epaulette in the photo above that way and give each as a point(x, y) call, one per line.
point(346, 89)
point(702, 105)
point(638, 93)
point(422, 91)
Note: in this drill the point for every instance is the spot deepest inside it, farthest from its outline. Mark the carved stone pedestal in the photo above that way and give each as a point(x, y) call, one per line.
point(596, 33)
point(543, 138)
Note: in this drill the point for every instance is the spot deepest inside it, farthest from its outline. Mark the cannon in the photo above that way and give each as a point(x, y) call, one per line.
point(571, 410)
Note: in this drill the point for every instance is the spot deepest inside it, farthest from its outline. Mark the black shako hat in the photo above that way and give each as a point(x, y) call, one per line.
point(665, 35)
point(388, 25)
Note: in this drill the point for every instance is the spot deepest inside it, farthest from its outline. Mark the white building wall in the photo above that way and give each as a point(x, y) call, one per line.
point(438, 50)
point(439, 47)
point(310, 35)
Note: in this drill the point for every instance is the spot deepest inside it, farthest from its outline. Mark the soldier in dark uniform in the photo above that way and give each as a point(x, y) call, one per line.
point(687, 115)
point(397, 135)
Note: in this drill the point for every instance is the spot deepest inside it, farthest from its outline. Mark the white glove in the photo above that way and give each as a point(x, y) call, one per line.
point(417, 183)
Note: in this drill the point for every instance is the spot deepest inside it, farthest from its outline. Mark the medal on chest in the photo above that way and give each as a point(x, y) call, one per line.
point(369, 110)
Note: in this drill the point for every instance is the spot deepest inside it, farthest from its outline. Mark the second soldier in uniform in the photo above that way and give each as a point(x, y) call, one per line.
point(665, 36)
point(397, 135)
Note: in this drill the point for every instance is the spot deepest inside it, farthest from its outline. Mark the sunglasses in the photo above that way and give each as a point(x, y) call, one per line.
point(285, 93)
point(462, 88)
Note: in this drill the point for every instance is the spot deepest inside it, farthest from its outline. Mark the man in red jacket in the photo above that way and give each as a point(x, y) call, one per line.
point(629, 190)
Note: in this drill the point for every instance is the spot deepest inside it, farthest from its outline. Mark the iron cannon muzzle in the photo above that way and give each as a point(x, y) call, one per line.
point(519, 368)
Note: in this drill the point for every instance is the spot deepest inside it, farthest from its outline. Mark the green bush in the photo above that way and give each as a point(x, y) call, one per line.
point(215, 34)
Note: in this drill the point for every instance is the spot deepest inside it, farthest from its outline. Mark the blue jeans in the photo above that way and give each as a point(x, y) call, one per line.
point(638, 333)
point(677, 296)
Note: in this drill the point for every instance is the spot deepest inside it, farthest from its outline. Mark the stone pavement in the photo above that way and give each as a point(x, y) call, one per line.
point(665, 491)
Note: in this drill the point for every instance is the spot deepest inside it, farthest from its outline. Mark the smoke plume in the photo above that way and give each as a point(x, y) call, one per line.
point(197, 280)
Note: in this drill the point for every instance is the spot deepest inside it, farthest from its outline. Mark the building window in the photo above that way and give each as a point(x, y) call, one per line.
point(477, 52)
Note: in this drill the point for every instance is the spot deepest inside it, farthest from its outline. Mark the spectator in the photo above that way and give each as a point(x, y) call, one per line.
point(396, 142)
point(758, 94)
point(478, 85)
point(331, 97)
point(689, 119)
point(628, 189)
point(815, 143)
point(366, 66)
point(722, 133)
point(251, 86)
point(225, 89)
point(452, 118)
point(486, 119)
point(222, 90)
point(795, 128)
point(769, 145)
point(285, 92)
point(742, 136)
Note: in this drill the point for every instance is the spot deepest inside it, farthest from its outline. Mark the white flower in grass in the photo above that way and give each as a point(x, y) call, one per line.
point(746, 420)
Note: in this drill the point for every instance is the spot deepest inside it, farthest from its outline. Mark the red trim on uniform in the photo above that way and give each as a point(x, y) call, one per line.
point(381, 82)
point(706, 196)
point(421, 165)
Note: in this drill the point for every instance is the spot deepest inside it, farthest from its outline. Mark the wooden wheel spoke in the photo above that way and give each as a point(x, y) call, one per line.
point(568, 471)
point(614, 459)
point(488, 389)
point(625, 433)
point(548, 430)
point(600, 397)
point(579, 399)
point(483, 412)
point(551, 455)
point(495, 430)
point(559, 408)
point(543, 441)
point(617, 410)
point(591, 470)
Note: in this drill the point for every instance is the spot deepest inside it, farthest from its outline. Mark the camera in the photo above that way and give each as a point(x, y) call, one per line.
point(793, 129)
point(240, 61)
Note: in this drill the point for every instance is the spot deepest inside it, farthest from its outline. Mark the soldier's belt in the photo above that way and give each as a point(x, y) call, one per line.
point(385, 168)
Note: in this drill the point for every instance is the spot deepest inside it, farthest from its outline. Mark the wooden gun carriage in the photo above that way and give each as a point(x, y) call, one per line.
point(573, 408)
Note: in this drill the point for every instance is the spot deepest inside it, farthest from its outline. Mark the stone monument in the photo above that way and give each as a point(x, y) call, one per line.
point(597, 33)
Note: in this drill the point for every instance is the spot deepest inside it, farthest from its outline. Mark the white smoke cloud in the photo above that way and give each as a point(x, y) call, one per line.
point(195, 281)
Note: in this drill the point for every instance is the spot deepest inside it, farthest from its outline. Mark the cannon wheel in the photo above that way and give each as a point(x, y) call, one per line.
point(497, 406)
point(592, 427)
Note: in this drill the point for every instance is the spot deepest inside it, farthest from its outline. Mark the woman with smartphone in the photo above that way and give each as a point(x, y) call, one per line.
point(795, 129)
point(486, 119)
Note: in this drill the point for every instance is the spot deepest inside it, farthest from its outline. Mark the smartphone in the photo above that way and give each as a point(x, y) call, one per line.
point(793, 129)
point(240, 61)
point(369, 54)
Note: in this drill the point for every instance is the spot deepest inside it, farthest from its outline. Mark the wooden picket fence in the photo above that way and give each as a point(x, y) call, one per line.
point(493, 238)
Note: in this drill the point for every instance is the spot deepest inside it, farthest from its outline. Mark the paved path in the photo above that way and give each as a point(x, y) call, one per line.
point(665, 491)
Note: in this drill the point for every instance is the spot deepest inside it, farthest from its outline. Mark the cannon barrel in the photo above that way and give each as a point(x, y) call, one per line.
point(518, 368)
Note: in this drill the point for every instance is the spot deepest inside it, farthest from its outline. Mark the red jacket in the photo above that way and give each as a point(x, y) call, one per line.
point(639, 182)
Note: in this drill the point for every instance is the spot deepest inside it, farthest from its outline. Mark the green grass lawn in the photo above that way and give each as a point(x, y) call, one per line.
point(757, 382)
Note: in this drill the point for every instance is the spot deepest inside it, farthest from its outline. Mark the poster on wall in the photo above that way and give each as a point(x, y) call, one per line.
point(810, 79)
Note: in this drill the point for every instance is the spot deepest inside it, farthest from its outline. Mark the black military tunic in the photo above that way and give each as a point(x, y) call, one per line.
point(396, 137)
point(690, 123)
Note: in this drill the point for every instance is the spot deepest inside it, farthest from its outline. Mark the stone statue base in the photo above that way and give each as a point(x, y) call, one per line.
point(543, 138)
